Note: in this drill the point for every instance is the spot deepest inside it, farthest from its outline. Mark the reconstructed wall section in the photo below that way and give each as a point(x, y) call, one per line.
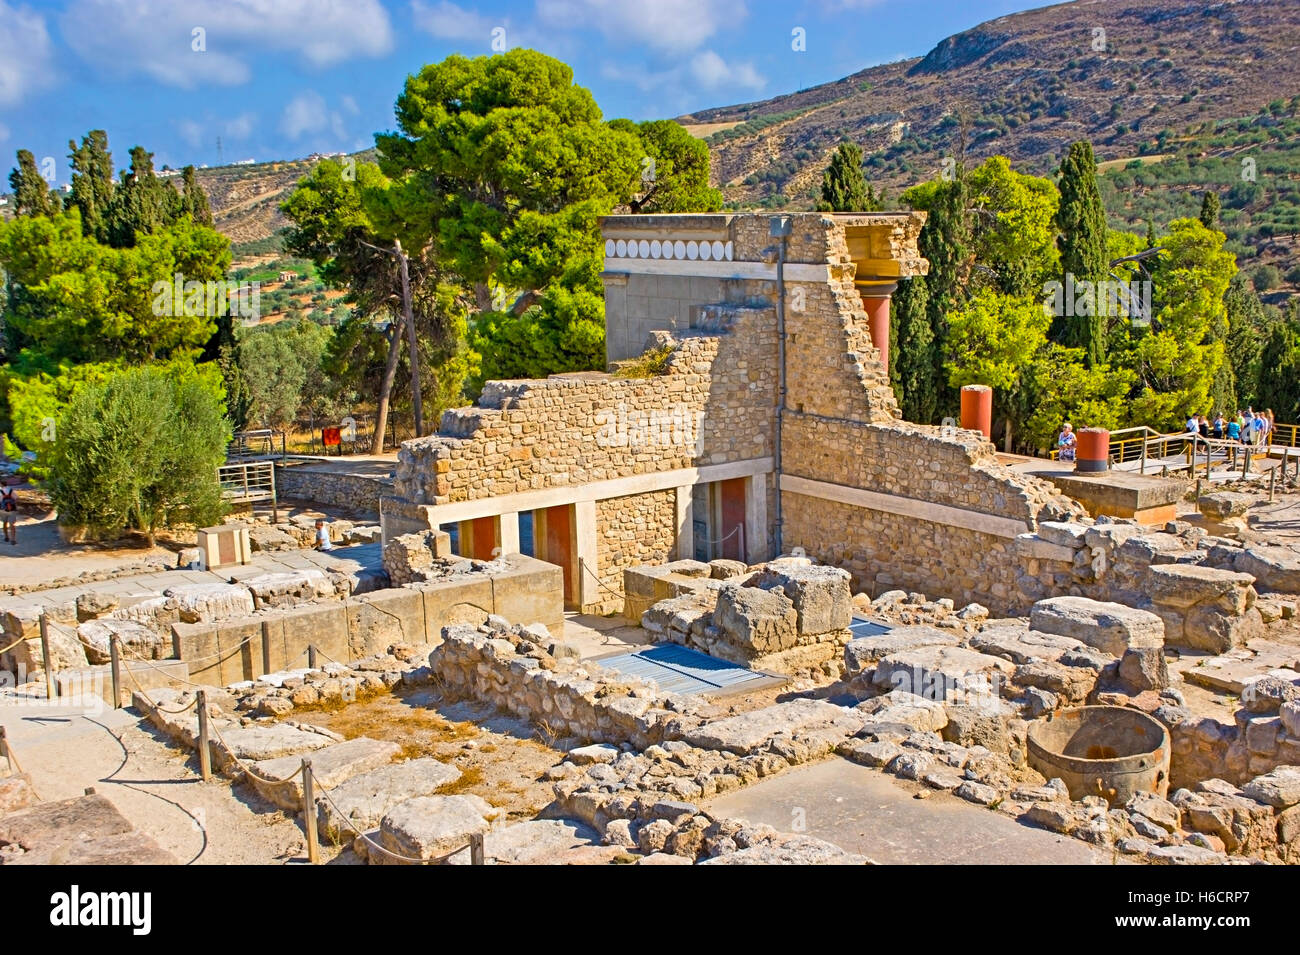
point(902, 505)
point(892, 503)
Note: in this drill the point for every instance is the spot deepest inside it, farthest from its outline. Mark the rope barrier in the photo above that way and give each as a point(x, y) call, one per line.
point(599, 581)
point(212, 724)
point(148, 699)
point(16, 642)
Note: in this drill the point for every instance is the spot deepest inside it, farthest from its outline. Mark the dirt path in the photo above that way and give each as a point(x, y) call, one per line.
point(66, 749)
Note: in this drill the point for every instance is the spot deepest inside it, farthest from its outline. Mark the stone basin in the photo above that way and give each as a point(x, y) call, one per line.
point(1109, 751)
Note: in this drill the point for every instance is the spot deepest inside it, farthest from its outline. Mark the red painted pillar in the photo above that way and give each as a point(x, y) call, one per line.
point(1093, 452)
point(875, 300)
point(977, 408)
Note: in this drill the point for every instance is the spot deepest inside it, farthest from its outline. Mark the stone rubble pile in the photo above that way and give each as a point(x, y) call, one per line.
point(786, 616)
point(1189, 579)
point(525, 672)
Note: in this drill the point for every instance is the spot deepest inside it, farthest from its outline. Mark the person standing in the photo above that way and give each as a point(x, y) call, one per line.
point(9, 514)
point(1234, 428)
point(1218, 424)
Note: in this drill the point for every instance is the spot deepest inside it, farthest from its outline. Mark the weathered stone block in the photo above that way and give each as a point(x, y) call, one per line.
point(1110, 627)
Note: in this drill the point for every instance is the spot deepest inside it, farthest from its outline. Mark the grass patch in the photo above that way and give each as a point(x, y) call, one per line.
point(649, 364)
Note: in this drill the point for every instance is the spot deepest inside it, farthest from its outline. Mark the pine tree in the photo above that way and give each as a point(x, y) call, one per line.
point(194, 201)
point(844, 188)
point(92, 182)
point(1081, 218)
point(32, 196)
point(1210, 210)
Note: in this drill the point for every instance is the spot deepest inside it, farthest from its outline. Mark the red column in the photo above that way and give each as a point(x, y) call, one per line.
point(1093, 450)
point(875, 300)
point(977, 408)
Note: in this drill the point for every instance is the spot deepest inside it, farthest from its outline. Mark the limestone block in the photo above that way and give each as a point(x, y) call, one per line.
point(1109, 627)
point(936, 672)
point(1274, 568)
point(821, 595)
point(361, 803)
point(1182, 585)
point(861, 653)
point(430, 827)
point(763, 621)
point(135, 639)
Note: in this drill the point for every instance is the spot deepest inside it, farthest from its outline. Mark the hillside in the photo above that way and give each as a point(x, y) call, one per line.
point(1024, 85)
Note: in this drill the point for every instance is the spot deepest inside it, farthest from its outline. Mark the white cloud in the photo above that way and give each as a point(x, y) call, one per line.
point(26, 60)
point(305, 113)
point(192, 132)
point(705, 70)
point(241, 126)
point(668, 26)
point(158, 39)
point(447, 21)
point(713, 72)
point(309, 114)
point(4, 133)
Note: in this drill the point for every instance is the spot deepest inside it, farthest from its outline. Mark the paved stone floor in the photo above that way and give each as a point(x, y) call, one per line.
point(865, 811)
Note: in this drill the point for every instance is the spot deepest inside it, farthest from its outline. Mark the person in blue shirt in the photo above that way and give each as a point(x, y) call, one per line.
point(1234, 430)
point(1066, 443)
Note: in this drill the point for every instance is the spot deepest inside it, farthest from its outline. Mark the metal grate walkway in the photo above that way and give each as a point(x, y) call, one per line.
point(680, 670)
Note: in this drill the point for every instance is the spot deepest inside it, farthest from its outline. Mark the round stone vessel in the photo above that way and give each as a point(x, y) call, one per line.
point(1108, 751)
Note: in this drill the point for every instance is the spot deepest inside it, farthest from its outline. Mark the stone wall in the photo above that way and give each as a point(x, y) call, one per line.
point(332, 488)
point(566, 430)
point(944, 511)
point(513, 670)
point(640, 529)
point(230, 648)
point(900, 542)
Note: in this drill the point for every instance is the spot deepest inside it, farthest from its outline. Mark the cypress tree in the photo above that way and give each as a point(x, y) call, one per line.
point(1279, 373)
point(32, 196)
point(1081, 219)
point(194, 201)
point(844, 188)
point(143, 203)
point(92, 182)
point(945, 242)
point(913, 370)
point(1210, 209)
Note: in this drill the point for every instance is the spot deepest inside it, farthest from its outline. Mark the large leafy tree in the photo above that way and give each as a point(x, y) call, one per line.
point(505, 166)
point(1180, 356)
point(674, 169)
point(333, 227)
point(1012, 228)
point(32, 194)
point(844, 187)
point(76, 301)
point(1081, 219)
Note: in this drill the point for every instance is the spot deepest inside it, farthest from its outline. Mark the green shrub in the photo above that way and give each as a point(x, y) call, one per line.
point(139, 451)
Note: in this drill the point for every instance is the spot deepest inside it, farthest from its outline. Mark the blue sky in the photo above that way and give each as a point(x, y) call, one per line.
point(280, 79)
